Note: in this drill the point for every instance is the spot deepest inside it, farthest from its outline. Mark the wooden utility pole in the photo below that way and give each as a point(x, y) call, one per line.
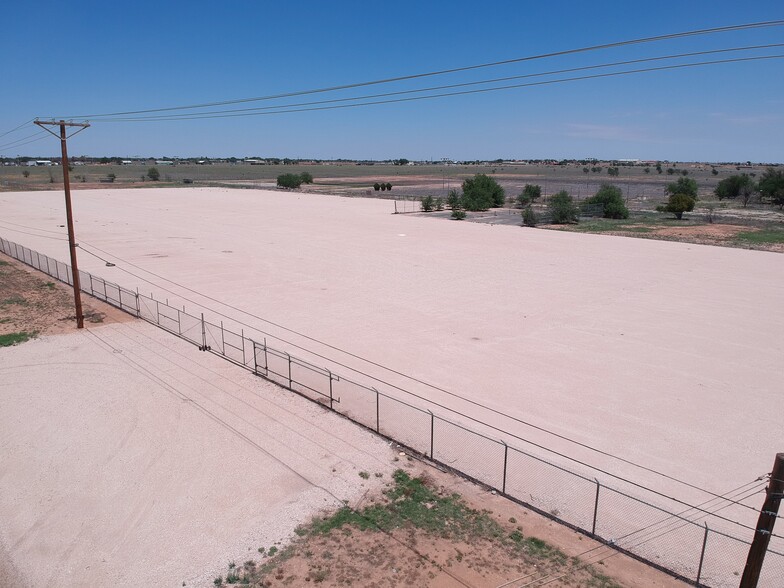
point(68, 211)
point(764, 528)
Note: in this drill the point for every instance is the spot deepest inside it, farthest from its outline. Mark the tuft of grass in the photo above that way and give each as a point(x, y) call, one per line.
point(272, 551)
point(411, 502)
point(4, 263)
point(15, 338)
point(761, 237)
point(364, 475)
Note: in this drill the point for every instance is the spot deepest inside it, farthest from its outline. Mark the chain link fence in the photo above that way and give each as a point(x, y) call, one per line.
point(694, 543)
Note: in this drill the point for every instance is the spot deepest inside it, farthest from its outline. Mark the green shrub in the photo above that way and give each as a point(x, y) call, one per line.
point(458, 214)
point(376, 186)
point(427, 204)
point(453, 200)
point(608, 202)
point(530, 218)
point(678, 204)
point(306, 178)
point(289, 181)
point(439, 203)
point(481, 192)
point(154, 174)
point(529, 195)
point(562, 208)
point(389, 187)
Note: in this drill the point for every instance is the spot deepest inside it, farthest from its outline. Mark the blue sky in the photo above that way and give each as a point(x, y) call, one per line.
point(90, 57)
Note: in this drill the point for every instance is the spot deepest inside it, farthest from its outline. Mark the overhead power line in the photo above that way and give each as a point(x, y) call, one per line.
point(458, 85)
point(285, 110)
point(643, 40)
point(24, 124)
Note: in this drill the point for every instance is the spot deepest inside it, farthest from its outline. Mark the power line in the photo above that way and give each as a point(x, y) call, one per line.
point(13, 143)
point(643, 40)
point(22, 144)
point(27, 122)
point(188, 116)
point(431, 402)
point(444, 94)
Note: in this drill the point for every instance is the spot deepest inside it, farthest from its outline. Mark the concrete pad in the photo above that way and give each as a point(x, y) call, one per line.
point(667, 354)
point(129, 458)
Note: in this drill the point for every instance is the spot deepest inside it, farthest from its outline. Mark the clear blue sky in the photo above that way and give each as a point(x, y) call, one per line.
point(62, 59)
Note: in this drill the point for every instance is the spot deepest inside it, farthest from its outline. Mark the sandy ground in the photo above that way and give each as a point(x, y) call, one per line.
point(132, 459)
point(660, 352)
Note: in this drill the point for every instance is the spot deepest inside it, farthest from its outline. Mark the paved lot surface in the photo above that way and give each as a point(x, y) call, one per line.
point(129, 458)
point(667, 354)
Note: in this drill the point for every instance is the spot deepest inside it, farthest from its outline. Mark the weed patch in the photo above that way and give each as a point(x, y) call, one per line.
point(15, 338)
point(762, 237)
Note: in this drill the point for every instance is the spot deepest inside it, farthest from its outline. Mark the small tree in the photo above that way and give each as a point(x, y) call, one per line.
point(427, 204)
point(481, 192)
point(678, 204)
point(771, 186)
point(306, 178)
point(439, 204)
point(458, 214)
point(714, 171)
point(376, 186)
point(530, 193)
point(562, 208)
point(585, 170)
point(608, 201)
point(658, 168)
point(26, 173)
point(612, 171)
point(647, 170)
point(383, 187)
point(530, 218)
point(734, 186)
point(154, 174)
point(453, 199)
point(683, 186)
point(389, 187)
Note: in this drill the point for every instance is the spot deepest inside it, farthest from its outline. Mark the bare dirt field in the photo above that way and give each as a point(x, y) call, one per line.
point(654, 351)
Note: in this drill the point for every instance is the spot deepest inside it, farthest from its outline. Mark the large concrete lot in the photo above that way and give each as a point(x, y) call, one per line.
point(667, 354)
point(127, 458)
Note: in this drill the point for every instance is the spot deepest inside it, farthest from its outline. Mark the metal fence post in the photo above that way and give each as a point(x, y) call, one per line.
point(432, 433)
point(158, 313)
point(223, 341)
point(138, 306)
point(595, 507)
point(329, 373)
point(289, 359)
point(242, 335)
point(266, 361)
point(255, 358)
point(179, 323)
point(506, 460)
point(378, 417)
point(702, 554)
point(203, 333)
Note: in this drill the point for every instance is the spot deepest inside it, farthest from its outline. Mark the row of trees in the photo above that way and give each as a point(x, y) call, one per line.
point(382, 186)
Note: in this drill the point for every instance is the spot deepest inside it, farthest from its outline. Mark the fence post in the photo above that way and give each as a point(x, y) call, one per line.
point(432, 433)
point(266, 360)
point(255, 358)
point(179, 323)
point(138, 306)
point(158, 313)
point(203, 333)
point(595, 507)
point(506, 460)
point(242, 335)
point(289, 360)
point(329, 373)
point(702, 554)
point(223, 341)
point(378, 417)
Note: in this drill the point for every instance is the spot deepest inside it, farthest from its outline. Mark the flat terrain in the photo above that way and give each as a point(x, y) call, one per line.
point(128, 503)
point(131, 459)
point(655, 351)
